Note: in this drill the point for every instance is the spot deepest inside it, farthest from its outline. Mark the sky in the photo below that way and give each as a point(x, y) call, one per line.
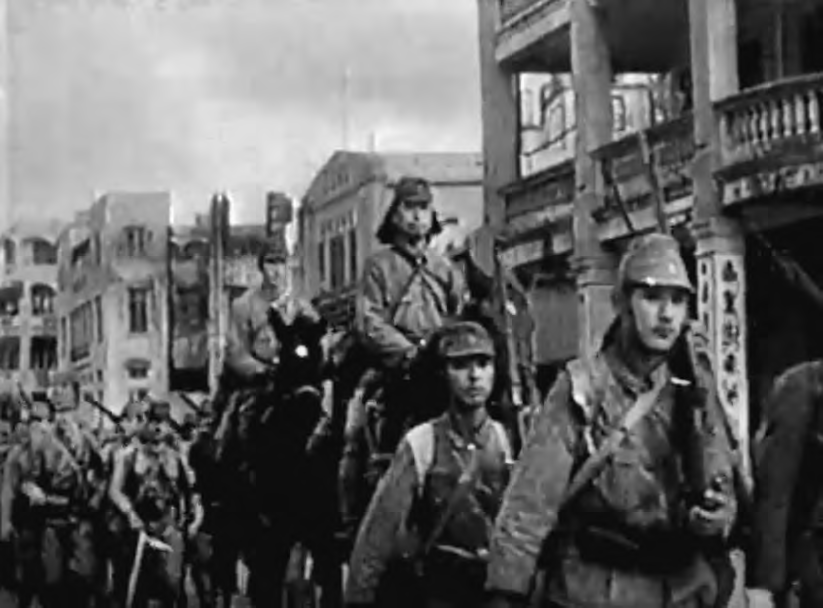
point(246, 96)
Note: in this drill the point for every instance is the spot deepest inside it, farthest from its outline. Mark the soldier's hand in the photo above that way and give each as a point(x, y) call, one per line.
point(37, 497)
point(6, 532)
point(136, 523)
point(715, 516)
point(759, 598)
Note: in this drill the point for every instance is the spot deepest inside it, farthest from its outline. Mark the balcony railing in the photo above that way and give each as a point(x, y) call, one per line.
point(513, 8)
point(776, 118)
point(533, 201)
point(671, 149)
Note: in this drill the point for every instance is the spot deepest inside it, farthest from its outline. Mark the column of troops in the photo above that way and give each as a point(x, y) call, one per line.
point(628, 491)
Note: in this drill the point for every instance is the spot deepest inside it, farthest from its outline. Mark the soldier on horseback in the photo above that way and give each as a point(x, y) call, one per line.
point(407, 291)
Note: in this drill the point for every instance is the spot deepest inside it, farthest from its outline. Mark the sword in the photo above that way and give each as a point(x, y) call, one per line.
point(143, 541)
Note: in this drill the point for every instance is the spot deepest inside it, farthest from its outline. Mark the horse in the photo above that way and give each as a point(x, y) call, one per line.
point(267, 475)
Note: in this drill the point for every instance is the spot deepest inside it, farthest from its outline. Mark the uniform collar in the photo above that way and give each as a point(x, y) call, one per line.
point(627, 378)
point(457, 432)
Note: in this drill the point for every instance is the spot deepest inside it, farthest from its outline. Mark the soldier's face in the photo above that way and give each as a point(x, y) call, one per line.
point(471, 380)
point(659, 315)
point(414, 218)
point(275, 272)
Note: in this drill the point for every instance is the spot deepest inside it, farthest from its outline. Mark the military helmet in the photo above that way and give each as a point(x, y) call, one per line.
point(654, 260)
point(464, 339)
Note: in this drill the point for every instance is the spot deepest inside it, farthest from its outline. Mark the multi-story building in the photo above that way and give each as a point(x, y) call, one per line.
point(28, 327)
point(345, 203)
point(733, 162)
point(192, 309)
point(113, 298)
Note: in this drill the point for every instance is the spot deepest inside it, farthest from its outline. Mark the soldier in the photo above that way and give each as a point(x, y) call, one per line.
point(445, 483)
point(50, 504)
point(626, 481)
point(408, 290)
point(152, 485)
point(784, 566)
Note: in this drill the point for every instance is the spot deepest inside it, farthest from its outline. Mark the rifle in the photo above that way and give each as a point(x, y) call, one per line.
point(107, 413)
point(524, 393)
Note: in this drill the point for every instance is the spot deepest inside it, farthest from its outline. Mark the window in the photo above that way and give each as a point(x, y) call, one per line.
point(43, 352)
point(138, 394)
point(619, 114)
point(10, 353)
point(135, 240)
point(321, 262)
point(337, 253)
point(138, 369)
point(352, 255)
point(43, 253)
point(10, 252)
point(98, 317)
point(138, 310)
point(64, 336)
point(81, 331)
point(42, 299)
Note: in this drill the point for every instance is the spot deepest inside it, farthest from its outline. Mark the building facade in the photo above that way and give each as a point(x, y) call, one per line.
point(345, 202)
point(28, 324)
point(113, 296)
point(731, 158)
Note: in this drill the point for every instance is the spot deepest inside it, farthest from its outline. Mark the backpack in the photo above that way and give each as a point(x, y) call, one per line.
point(421, 439)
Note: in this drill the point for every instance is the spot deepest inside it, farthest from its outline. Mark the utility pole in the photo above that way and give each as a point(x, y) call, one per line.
point(218, 302)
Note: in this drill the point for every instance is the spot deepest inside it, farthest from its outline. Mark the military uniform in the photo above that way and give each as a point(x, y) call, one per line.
point(786, 550)
point(418, 497)
point(629, 539)
point(403, 297)
point(50, 499)
point(152, 485)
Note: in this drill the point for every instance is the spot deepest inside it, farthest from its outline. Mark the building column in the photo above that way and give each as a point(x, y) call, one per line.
point(592, 76)
point(500, 117)
point(720, 240)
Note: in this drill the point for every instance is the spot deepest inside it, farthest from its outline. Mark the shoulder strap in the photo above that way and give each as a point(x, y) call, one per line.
point(503, 440)
point(593, 466)
point(421, 441)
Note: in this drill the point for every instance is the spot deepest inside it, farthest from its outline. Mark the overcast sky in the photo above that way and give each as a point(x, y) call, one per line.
point(196, 96)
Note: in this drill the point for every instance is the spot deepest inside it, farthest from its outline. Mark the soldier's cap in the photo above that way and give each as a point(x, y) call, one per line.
point(654, 260)
point(465, 339)
point(412, 189)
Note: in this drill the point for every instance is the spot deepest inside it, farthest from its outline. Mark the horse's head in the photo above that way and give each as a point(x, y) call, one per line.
point(302, 359)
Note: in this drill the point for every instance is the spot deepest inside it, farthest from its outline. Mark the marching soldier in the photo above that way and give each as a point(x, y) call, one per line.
point(152, 485)
point(444, 485)
point(408, 290)
point(784, 566)
point(50, 503)
point(625, 484)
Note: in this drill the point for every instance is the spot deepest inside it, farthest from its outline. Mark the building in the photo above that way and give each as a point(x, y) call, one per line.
point(28, 326)
point(113, 296)
point(345, 202)
point(197, 337)
point(733, 161)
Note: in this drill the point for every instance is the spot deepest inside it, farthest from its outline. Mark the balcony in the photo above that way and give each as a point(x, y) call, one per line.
point(643, 35)
point(628, 179)
point(771, 139)
point(539, 214)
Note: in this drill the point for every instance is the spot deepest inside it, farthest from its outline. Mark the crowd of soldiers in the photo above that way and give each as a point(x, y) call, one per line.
point(78, 504)
point(628, 492)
